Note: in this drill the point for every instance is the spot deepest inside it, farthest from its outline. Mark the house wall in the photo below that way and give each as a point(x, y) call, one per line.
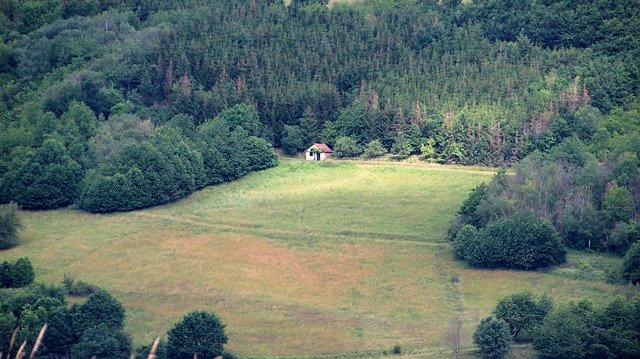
point(324, 156)
point(309, 156)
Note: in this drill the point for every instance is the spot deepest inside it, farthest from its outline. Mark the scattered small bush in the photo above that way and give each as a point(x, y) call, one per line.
point(396, 350)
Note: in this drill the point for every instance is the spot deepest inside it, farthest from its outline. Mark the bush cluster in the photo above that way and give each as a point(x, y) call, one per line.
point(575, 330)
point(522, 241)
point(16, 275)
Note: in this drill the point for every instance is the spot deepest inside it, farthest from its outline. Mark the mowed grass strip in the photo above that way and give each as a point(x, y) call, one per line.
point(299, 260)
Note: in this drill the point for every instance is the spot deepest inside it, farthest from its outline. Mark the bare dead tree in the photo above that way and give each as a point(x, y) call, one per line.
point(452, 336)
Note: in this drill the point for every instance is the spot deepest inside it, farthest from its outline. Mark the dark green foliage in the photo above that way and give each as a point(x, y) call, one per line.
point(631, 264)
point(78, 288)
point(522, 311)
point(16, 275)
point(293, 140)
point(492, 337)
point(346, 147)
point(21, 273)
point(7, 326)
point(61, 334)
point(100, 309)
point(580, 331)
point(467, 211)
point(45, 178)
point(10, 224)
point(102, 341)
point(522, 241)
point(197, 332)
point(244, 116)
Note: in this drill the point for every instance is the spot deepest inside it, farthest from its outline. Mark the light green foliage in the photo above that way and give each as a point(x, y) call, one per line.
point(618, 204)
point(493, 338)
point(346, 147)
point(374, 148)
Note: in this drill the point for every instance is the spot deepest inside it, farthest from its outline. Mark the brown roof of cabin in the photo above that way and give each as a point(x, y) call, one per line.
point(322, 147)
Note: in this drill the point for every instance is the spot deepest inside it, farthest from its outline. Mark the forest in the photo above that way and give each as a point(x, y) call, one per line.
point(93, 92)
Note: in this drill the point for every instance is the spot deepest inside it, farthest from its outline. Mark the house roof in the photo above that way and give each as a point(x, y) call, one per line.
point(322, 147)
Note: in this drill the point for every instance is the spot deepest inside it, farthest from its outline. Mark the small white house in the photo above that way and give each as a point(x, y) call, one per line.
point(318, 152)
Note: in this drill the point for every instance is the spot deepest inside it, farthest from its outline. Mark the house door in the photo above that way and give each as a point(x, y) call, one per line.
point(317, 156)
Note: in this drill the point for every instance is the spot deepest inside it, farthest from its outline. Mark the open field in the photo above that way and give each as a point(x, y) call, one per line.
point(302, 259)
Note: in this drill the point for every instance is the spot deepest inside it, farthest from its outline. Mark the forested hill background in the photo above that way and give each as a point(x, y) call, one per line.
point(96, 95)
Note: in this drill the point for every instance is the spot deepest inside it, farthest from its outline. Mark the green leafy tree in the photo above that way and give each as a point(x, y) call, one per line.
point(100, 309)
point(374, 148)
point(346, 147)
point(10, 224)
point(467, 211)
point(522, 311)
point(631, 264)
point(618, 204)
point(7, 326)
point(242, 115)
point(22, 273)
point(60, 335)
point(45, 178)
point(293, 140)
point(493, 338)
point(566, 332)
point(198, 332)
point(102, 341)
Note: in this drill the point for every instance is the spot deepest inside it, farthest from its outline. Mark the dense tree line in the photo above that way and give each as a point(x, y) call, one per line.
point(571, 330)
point(482, 83)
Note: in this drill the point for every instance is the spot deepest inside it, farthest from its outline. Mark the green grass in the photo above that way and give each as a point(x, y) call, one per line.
point(302, 259)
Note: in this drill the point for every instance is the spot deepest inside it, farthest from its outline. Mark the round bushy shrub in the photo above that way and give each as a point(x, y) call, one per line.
point(346, 147)
point(197, 332)
point(100, 308)
point(375, 148)
point(21, 273)
point(493, 337)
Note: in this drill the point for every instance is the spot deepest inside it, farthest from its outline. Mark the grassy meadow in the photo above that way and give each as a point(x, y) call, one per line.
point(305, 259)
